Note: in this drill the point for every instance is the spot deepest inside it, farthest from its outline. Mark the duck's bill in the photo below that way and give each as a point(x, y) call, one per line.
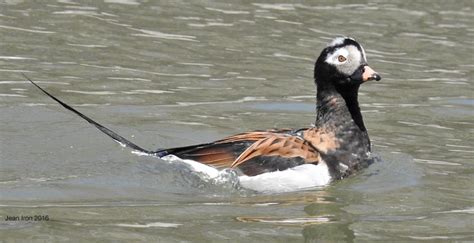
point(370, 74)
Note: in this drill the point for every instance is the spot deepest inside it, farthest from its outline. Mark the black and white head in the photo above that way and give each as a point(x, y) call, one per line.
point(343, 62)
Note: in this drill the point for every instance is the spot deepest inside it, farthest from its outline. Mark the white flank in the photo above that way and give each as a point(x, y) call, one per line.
point(297, 178)
point(196, 166)
point(301, 177)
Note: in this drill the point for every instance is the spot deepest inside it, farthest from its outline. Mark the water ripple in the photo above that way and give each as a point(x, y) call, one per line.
point(276, 6)
point(436, 162)
point(148, 72)
point(406, 11)
point(136, 91)
point(402, 63)
point(161, 35)
point(38, 82)
point(82, 7)
point(250, 78)
point(11, 95)
point(287, 221)
point(27, 30)
point(292, 57)
point(228, 11)
point(77, 12)
point(129, 79)
point(15, 70)
point(90, 92)
point(467, 211)
point(424, 125)
point(16, 58)
point(210, 24)
point(418, 35)
point(245, 99)
point(148, 91)
point(386, 53)
point(85, 45)
point(125, 2)
point(196, 64)
point(431, 79)
point(438, 70)
point(432, 238)
point(325, 33)
point(149, 225)
point(288, 22)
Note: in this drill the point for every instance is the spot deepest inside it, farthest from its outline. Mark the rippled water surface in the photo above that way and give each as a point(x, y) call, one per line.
point(171, 73)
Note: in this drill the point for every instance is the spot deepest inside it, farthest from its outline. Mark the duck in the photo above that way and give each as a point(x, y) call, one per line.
point(336, 146)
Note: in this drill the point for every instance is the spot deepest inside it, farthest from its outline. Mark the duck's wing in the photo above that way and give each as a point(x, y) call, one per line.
point(221, 153)
point(253, 152)
point(276, 152)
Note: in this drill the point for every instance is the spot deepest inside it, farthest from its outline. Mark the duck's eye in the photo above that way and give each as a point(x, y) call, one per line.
point(341, 58)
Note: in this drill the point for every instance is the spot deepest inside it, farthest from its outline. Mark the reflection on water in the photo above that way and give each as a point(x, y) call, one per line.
point(174, 73)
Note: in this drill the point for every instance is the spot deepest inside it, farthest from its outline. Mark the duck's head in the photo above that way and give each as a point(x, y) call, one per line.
point(343, 64)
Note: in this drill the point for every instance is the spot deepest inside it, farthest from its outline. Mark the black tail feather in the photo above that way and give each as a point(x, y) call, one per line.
point(123, 141)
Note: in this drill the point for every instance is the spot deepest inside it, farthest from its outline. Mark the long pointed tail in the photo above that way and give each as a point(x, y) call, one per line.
point(121, 140)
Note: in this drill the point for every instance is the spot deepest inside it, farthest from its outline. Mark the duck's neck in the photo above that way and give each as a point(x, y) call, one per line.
point(338, 112)
point(338, 107)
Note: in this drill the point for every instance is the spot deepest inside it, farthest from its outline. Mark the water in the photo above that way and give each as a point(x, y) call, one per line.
point(177, 73)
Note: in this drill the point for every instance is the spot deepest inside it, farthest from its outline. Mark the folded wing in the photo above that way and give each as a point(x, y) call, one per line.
point(253, 152)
